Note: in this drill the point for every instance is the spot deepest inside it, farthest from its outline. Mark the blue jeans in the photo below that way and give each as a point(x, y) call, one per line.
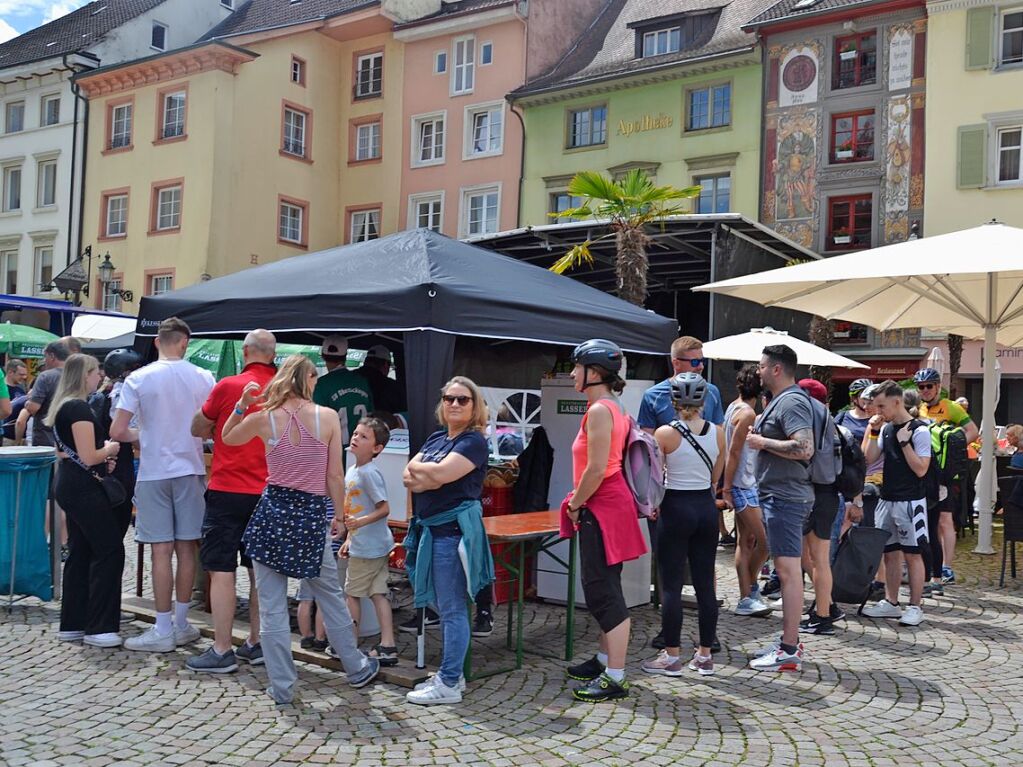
point(452, 597)
point(783, 520)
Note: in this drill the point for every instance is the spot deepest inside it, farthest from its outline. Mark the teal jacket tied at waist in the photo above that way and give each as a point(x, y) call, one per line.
point(475, 549)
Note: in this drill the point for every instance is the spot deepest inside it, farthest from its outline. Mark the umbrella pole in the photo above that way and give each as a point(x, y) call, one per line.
point(985, 502)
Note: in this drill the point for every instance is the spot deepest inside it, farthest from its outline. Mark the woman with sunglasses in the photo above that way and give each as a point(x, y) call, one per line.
point(447, 554)
point(287, 535)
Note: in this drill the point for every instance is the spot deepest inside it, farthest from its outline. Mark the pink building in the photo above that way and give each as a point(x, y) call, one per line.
point(463, 142)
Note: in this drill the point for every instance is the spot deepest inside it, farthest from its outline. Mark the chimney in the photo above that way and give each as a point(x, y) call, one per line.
point(403, 11)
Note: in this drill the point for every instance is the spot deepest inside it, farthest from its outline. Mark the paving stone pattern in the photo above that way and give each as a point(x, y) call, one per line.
point(949, 692)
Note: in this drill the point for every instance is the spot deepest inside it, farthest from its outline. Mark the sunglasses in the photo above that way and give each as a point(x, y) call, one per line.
point(694, 362)
point(923, 386)
point(461, 399)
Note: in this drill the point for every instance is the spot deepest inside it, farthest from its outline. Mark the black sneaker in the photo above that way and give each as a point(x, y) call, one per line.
point(877, 592)
point(212, 662)
point(320, 645)
point(934, 589)
point(586, 671)
point(483, 625)
point(815, 624)
point(253, 653)
point(659, 642)
point(836, 613)
point(727, 540)
point(411, 626)
point(600, 689)
point(715, 646)
point(307, 643)
point(773, 586)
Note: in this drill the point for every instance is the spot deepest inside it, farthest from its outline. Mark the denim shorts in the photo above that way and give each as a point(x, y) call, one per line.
point(784, 520)
point(744, 498)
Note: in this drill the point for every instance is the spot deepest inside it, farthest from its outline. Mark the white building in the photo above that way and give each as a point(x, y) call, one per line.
point(42, 121)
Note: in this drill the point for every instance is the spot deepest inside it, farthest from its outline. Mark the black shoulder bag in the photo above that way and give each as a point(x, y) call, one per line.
point(111, 485)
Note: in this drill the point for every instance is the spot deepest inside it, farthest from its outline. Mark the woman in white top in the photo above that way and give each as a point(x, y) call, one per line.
point(687, 527)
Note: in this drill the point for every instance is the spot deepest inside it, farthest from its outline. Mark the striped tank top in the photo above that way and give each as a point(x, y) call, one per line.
point(302, 466)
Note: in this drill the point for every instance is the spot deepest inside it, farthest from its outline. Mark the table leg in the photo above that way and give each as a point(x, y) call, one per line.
point(573, 549)
point(521, 603)
point(14, 541)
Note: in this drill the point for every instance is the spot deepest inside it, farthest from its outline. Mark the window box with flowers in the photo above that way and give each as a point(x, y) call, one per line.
point(847, 52)
point(842, 237)
point(844, 151)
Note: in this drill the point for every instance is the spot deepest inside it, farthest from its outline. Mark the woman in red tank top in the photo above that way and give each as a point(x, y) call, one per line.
point(603, 512)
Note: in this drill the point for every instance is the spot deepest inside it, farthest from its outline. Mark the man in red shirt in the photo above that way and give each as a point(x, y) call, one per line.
point(237, 480)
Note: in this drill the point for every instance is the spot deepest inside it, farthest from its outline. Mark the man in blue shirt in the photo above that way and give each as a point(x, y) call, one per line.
point(657, 410)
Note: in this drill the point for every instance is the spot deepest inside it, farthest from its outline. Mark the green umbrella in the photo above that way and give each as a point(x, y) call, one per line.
point(24, 340)
point(218, 357)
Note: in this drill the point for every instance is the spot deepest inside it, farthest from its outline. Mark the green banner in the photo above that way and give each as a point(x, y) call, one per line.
point(224, 358)
point(23, 340)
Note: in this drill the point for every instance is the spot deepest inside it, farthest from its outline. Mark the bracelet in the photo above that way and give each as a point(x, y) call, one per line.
point(238, 410)
point(872, 436)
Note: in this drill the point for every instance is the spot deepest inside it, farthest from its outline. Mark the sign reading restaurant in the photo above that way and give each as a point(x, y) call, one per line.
point(645, 123)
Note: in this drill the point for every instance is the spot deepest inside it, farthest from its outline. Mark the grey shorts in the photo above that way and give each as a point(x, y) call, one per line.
point(784, 520)
point(170, 509)
point(905, 522)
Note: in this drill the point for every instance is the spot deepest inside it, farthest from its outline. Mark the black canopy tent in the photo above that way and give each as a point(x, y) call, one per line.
point(419, 286)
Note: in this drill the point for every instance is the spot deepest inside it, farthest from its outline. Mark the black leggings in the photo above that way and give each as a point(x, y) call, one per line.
point(934, 556)
point(687, 530)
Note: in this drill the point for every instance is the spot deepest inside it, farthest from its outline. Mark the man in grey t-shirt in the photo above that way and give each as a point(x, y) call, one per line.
point(54, 355)
point(783, 439)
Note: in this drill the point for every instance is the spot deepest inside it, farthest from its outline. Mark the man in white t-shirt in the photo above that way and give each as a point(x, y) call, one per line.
point(161, 398)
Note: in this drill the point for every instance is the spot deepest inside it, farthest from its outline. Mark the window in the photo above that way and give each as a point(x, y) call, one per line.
point(369, 76)
point(662, 41)
point(49, 113)
point(486, 130)
point(709, 107)
point(44, 265)
point(9, 271)
point(562, 201)
point(46, 182)
point(365, 225)
point(481, 211)
point(367, 142)
point(462, 76)
point(15, 117)
point(715, 193)
point(427, 212)
point(587, 127)
point(855, 60)
point(294, 139)
point(172, 124)
point(428, 138)
point(440, 62)
point(1012, 37)
point(291, 223)
point(486, 54)
point(850, 220)
point(852, 137)
point(158, 40)
point(167, 212)
point(229, 4)
point(160, 284)
point(12, 189)
point(297, 70)
point(120, 126)
point(116, 215)
point(1010, 145)
point(111, 296)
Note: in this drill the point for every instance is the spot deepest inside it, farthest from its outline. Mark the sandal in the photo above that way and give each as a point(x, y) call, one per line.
point(388, 656)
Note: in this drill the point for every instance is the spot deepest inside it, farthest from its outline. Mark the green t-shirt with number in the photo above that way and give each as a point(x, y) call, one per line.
point(348, 393)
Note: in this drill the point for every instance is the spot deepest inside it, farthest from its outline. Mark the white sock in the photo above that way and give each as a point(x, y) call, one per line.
point(164, 624)
point(181, 614)
point(602, 658)
point(618, 674)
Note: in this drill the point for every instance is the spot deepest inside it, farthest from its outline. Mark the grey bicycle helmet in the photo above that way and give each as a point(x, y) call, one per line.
point(859, 385)
point(598, 351)
point(688, 390)
point(927, 375)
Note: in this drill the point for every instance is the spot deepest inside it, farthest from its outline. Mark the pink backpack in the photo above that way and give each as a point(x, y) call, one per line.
point(643, 467)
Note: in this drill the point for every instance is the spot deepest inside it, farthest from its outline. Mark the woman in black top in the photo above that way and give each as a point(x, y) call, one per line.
point(91, 607)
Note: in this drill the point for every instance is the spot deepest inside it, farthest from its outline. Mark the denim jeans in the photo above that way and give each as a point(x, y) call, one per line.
point(783, 520)
point(452, 603)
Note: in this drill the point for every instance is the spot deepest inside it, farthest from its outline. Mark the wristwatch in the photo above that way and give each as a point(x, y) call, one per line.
point(858, 505)
point(907, 442)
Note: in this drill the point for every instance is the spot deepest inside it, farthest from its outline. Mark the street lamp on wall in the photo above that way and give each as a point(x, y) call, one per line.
point(106, 276)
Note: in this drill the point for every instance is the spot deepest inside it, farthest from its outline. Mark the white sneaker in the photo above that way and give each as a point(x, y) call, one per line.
point(913, 616)
point(150, 641)
point(436, 694)
point(110, 639)
point(431, 681)
point(70, 636)
point(186, 635)
point(883, 609)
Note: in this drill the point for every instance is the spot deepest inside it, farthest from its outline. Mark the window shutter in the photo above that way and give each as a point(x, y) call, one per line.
point(971, 141)
point(979, 37)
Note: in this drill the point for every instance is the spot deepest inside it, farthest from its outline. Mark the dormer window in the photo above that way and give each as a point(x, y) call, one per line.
point(662, 41)
point(674, 33)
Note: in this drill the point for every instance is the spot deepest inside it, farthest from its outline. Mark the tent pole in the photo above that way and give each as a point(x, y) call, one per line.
point(985, 502)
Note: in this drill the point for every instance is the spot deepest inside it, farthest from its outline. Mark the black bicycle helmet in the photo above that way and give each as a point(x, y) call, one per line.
point(688, 390)
point(927, 375)
point(119, 362)
point(859, 385)
point(597, 351)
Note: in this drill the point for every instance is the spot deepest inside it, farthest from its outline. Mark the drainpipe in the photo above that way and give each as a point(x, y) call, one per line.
point(522, 167)
point(76, 92)
point(764, 85)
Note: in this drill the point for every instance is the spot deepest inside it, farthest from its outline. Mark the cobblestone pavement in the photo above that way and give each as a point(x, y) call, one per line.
point(949, 692)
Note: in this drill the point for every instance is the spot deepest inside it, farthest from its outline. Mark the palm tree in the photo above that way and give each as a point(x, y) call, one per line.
point(628, 204)
point(955, 358)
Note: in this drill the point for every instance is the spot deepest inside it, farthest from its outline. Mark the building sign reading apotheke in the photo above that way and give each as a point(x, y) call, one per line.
point(645, 123)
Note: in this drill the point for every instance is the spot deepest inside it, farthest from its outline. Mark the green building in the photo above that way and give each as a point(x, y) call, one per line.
point(677, 95)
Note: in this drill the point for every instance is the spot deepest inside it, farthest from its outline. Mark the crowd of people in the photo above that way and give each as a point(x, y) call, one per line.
point(280, 502)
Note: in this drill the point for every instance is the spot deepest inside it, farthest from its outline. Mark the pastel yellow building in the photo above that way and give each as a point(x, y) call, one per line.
point(974, 115)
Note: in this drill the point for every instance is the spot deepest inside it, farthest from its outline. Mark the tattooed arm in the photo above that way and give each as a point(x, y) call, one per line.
point(798, 447)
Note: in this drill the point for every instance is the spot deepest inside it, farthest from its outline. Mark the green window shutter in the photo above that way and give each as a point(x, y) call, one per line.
point(979, 37)
point(971, 169)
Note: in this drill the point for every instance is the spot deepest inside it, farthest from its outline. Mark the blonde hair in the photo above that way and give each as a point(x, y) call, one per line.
point(480, 414)
point(72, 385)
point(689, 412)
point(291, 380)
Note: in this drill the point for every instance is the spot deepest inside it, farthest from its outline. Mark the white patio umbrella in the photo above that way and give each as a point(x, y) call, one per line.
point(748, 347)
point(968, 282)
point(936, 360)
